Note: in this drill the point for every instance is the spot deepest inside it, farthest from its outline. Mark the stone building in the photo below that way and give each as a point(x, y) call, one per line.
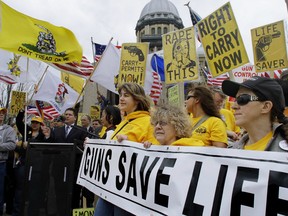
point(157, 17)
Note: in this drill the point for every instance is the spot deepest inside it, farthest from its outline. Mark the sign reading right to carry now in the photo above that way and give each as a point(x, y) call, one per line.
point(222, 42)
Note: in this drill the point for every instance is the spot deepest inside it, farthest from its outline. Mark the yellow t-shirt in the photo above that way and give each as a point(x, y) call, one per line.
point(188, 142)
point(213, 129)
point(261, 144)
point(228, 117)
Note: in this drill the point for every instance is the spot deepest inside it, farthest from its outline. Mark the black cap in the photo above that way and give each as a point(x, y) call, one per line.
point(60, 119)
point(263, 87)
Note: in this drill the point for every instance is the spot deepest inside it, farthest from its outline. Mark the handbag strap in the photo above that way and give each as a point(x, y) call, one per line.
point(203, 119)
point(121, 128)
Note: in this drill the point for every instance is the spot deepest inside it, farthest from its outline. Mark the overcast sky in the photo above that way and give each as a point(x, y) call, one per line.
point(103, 19)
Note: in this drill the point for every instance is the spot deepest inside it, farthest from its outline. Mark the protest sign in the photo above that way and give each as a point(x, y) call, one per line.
point(222, 41)
point(180, 58)
point(172, 180)
point(133, 63)
point(18, 100)
point(269, 47)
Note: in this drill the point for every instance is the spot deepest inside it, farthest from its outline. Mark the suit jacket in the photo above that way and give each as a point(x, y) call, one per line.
point(58, 136)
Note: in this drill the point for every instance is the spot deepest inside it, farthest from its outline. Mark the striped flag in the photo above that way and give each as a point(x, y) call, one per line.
point(156, 88)
point(8, 80)
point(84, 69)
point(217, 81)
point(277, 74)
point(49, 112)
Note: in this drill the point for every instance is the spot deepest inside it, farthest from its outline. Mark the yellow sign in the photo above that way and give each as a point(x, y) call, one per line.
point(173, 95)
point(95, 112)
point(269, 47)
point(83, 212)
point(79, 118)
point(133, 63)
point(222, 42)
point(180, 57)
point(18, 100)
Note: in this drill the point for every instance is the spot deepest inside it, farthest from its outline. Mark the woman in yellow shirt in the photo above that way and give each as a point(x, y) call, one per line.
point(259, 107)
point(172, 127)
point(206, 121)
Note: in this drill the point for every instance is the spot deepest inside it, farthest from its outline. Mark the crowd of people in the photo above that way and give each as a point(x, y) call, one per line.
point(257, 122)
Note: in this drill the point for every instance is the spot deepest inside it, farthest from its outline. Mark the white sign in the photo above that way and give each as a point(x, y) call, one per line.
point(171, 180)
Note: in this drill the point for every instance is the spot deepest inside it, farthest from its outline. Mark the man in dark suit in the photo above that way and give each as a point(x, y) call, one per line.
point(69, 133)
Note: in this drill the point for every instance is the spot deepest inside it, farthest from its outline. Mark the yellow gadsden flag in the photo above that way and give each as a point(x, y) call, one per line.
point(37, 39)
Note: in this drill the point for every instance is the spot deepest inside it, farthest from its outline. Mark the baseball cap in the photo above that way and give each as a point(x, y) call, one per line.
point(263, 87)
point(37, 119)
point(4, 109)
point(59, 119)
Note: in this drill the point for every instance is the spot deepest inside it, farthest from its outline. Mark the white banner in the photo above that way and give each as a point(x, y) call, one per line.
point(167, 180)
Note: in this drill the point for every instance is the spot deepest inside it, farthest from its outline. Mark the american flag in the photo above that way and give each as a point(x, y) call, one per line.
point(7, 79)
point(84, 69)
point(99, 49)
point(217, 81)
point(277, 74)
point(48, 111)
point(156, 88)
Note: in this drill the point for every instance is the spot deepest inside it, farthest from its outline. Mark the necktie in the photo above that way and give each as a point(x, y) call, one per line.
point(67, 130)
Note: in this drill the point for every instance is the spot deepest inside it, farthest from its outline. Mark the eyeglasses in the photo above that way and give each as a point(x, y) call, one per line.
point(161, 123)
point(245, 99)
point(190, 96)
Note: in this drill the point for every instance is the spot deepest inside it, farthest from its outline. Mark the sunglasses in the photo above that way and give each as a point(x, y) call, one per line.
point(245, 99)
point(190, 96)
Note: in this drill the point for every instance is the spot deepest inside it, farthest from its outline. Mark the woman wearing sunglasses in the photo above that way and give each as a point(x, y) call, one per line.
point(259, 107)
point(207, 124)
point(172, 126)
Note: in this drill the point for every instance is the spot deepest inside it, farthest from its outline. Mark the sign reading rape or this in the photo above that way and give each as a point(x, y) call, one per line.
point(222, 42)
point(133, 63)
point(269, 47)
point(172, 180)
point(180, 56)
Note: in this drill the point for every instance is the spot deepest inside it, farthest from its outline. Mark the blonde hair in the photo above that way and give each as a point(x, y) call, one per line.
point(175, 116)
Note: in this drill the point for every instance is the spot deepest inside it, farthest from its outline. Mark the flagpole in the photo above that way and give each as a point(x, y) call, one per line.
point(93, 50)
point(95, 66)
point(36, 87)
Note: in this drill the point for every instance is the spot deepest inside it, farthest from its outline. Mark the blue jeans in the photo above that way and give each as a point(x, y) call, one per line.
point(106, 208)
point(2, 178)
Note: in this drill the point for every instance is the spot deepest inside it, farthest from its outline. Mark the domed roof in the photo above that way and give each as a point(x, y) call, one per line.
point(155, 6)
point(159, 12)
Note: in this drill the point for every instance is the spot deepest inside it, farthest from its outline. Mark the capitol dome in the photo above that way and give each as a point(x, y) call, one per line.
point(157, 17)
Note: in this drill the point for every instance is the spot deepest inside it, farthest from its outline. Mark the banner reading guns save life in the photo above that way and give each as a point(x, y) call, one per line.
point(166, 180)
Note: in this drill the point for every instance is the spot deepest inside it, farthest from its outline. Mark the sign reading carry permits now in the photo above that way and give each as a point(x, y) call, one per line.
point(172, 180)
point(222, 42)
point(133, 63)
point(269, 47)
point(180, 59)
